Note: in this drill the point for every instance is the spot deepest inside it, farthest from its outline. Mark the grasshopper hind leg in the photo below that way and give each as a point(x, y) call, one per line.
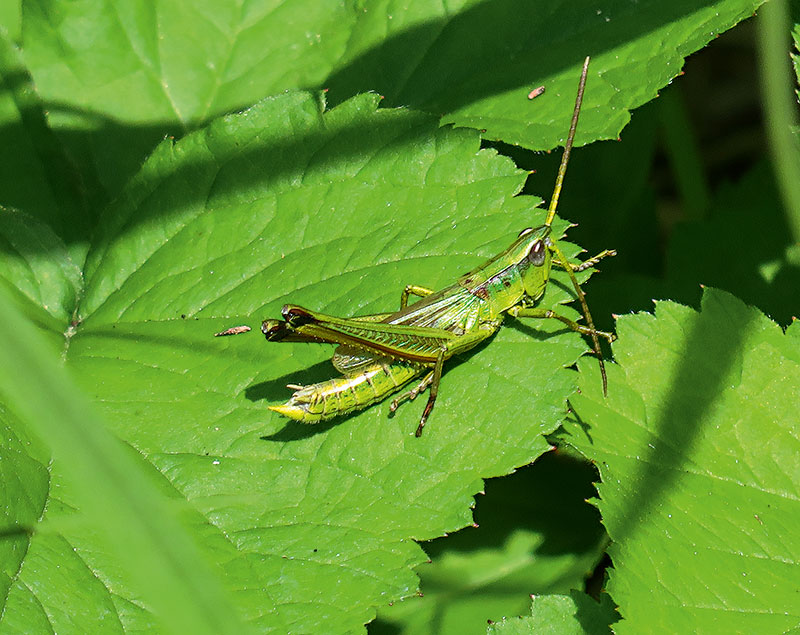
point(437, 377)
point(431, 380)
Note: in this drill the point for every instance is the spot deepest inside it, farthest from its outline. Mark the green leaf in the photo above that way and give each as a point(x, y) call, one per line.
point(575, 613)
point(338, 211)
point(696, 446)
point(11, 18)
point(37, 265)
point(118, 77)
point(35, 174)
point(104, 482)
point(637, 48)
point(523, 543)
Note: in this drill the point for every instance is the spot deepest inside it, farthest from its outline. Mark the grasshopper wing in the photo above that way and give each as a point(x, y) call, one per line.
point(453, 309)
point(350, 361)
point(409, 343)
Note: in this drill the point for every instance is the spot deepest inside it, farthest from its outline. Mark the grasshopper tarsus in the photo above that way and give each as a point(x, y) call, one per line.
point(591, 262)
point(425, 414)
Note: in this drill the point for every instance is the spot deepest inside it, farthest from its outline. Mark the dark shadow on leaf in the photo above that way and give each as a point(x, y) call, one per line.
point(233, 167)
point(708, 356)
point(408, 67)
point(296, 431)
point(382, 627)
point(16, 531)
point(585, 427)
point(523, 325)
point(547, 498)
point(276, 390)
point(746, 249)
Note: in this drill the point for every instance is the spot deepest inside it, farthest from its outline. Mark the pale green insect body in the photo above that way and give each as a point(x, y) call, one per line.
point(475, 304)
point(340, 395)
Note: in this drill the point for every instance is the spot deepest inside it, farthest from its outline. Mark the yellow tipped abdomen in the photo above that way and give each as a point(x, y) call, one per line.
point(342, 395)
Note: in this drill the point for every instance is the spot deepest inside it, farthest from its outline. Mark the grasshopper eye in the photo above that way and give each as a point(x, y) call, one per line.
point(525, 231)
point(536, 254)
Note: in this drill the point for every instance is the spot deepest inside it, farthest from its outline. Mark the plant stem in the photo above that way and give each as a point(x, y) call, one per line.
point(780, 106)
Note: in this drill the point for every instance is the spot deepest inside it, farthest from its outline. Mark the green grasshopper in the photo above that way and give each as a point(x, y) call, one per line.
point(380, 354)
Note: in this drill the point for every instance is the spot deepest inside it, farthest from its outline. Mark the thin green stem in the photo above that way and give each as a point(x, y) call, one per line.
point(780, 106)
point(681, 146)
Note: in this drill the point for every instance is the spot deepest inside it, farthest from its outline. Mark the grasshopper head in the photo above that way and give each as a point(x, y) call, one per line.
point(533, 259)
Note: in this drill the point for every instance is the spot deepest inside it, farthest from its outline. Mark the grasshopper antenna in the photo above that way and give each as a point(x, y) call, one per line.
point(562, 169)
point(551, 212)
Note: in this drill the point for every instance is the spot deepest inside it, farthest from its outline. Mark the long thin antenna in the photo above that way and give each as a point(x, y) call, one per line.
point(551, 212)
point(562, 170)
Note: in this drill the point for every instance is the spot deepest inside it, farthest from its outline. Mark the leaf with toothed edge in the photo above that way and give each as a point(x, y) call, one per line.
point(336, 210)
point(697, 450)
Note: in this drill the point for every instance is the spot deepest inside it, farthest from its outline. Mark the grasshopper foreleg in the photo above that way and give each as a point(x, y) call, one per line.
point(561, 259)
point(591, 262)
point(415, 290)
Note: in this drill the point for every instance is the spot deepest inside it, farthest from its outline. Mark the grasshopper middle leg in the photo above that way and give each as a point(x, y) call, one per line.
point(548, 314)
point(412, 394)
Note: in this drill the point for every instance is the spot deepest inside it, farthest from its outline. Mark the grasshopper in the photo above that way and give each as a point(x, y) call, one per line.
point(380, 354)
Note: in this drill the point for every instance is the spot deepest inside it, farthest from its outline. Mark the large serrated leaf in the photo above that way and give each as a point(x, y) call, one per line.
point(117, 77)
point(697, 448)
point(336, 210)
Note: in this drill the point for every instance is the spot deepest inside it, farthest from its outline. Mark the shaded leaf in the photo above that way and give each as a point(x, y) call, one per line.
point(535, 534)
point(116, 78)
point(35, 173)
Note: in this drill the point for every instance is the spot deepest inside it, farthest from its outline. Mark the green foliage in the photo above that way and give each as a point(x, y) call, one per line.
point(697, 447)
point(561, 615)
point(524, 543)
point(112, 487)
point(207, 235)
point(145, 485)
